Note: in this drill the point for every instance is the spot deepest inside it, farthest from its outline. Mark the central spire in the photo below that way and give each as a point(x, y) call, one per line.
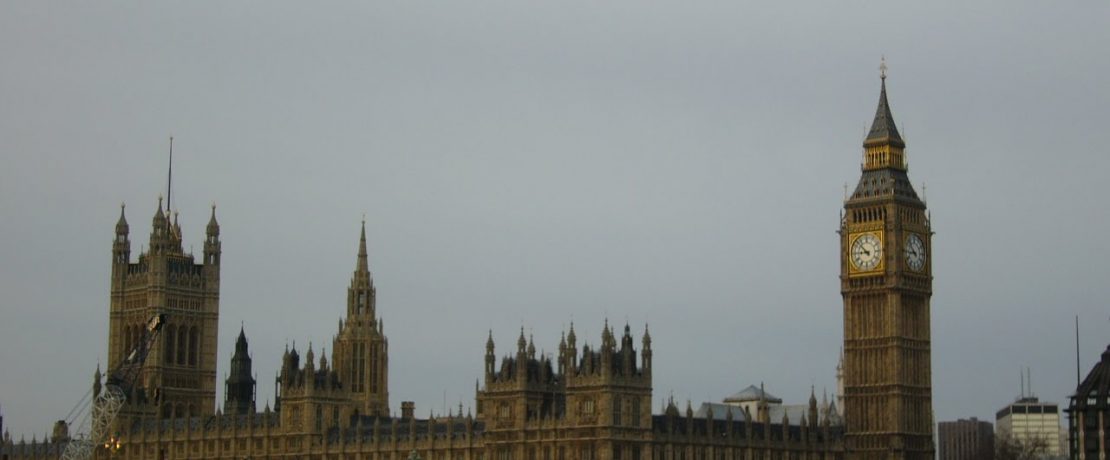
point(363, 264)
point(884, 147)
point(169, 178)
point(883, 130)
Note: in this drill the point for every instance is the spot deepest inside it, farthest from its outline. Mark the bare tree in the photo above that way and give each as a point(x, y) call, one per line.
point(1007, 447)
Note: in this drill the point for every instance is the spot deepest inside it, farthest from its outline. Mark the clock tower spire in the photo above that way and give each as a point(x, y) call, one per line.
point(886, 284)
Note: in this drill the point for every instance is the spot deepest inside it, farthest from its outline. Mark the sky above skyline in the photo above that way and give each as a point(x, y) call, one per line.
point(530, 165)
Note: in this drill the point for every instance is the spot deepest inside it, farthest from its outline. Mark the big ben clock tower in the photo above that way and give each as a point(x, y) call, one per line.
point(886, 282)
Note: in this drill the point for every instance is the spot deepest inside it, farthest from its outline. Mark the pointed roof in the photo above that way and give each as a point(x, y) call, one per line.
point(752, 393)
point(159, 217)
point(883, 131)
point(121, 224)
point(363, 266)
point(213, 226)
point(1097, 384)
point(241, 342)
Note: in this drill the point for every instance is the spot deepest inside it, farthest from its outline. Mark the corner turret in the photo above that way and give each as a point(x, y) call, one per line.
point(97, 379)
point(121, 245)
point(159, 230)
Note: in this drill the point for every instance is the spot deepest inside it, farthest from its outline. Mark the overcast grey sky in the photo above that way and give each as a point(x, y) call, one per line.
point(524, 163)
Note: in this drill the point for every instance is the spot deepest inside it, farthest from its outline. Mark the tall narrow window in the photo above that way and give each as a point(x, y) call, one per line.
point(635, 413)
point(374, 372)
point(182, 345)
point(171, 339)
point(616, 413)
point(193, 346)
point(360, 365)
point(126, 341)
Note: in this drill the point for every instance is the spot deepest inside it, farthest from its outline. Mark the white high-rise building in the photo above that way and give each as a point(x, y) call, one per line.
point(1031, 422)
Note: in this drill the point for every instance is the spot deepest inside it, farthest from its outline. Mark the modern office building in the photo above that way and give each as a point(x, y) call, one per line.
point(1031, 423)
point(966, 440)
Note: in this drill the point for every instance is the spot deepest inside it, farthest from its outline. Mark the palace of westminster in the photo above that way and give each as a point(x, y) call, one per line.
point(585, 403)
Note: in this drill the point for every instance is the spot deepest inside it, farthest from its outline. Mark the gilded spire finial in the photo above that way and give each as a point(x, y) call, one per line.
point(882, 68)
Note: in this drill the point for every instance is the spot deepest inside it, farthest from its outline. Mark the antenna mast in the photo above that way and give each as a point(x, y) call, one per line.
point(1077, 382)
point(1022, 379)
point(169, 181)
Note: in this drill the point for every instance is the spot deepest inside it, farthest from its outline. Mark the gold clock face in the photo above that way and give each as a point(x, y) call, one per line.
point(915, 252)
point(867, 252)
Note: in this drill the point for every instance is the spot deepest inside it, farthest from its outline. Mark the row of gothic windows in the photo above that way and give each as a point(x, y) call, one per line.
point(179, 411)
point(180, 345)
point(632, 405)
point(133, 336)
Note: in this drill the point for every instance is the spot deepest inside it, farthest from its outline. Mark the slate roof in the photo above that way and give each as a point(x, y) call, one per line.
point(1096, 387)
point(774, 412)
point(883, 129)
point(752, 393)
point(885, 182)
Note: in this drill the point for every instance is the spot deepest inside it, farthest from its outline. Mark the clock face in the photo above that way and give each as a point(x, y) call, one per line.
point(867, 252)
point(915, 252)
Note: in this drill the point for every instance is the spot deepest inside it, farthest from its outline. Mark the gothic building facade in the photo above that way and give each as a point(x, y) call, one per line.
point(179, 377)
point(582, 404)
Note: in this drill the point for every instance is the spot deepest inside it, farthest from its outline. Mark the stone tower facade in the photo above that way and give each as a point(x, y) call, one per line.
point(886, 283)
point(179, 378)
point(590, 406)
point(311, 398)
point(360, 349)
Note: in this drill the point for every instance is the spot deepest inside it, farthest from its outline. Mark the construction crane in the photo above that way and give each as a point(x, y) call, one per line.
point(117, 390)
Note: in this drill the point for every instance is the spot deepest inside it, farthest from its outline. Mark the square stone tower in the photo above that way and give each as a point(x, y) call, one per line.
point(179, 378)
point(886, 282)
